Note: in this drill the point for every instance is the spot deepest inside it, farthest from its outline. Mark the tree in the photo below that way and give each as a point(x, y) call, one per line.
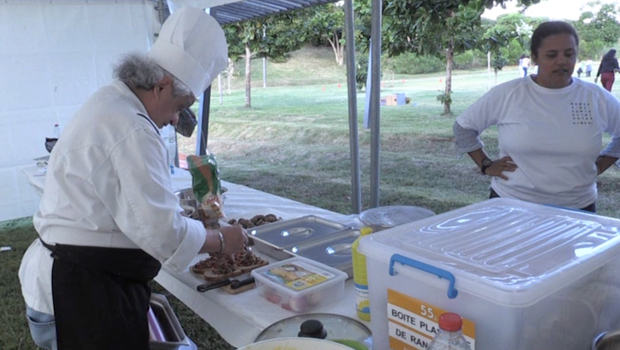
point(269, 37)
point(326, 24)
point(440, 27)
point(597, 30)
point(361, 73)
point(506, 39)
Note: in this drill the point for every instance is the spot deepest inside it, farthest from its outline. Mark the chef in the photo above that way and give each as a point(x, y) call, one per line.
point(108, 219)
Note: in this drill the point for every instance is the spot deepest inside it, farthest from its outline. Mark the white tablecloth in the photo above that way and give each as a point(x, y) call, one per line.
point(238, 318)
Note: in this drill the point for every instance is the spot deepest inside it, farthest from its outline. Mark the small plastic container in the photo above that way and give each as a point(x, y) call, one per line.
point(299, 284)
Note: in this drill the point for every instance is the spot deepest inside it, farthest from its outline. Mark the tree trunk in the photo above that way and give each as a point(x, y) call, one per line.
point(248, 74)
point(334, 41)
point(489, 70)
point(449, 63)
point(231, 72)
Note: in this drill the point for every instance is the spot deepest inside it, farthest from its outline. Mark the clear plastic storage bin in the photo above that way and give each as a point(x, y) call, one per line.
point(523, 276)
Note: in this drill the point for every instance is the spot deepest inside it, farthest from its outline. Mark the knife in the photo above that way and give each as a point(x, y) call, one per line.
point(212, 285)
point(234, 284)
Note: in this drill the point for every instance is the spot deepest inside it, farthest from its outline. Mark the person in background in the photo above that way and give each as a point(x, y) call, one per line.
point(588, 68)
point(582, 67)
point(607, 70)
point(109, 219)
point(524, 64)
point(550, 128)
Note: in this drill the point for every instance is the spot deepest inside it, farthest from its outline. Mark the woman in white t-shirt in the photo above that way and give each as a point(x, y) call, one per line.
point(549, 126)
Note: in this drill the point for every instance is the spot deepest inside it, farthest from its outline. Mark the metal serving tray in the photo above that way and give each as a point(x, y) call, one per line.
point(311, 237)
point(271, 249)
point(333, 250)
point(175, 336)
point(289, 233)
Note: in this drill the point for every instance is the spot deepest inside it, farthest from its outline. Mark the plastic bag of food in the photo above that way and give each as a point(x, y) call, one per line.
point(207, 187)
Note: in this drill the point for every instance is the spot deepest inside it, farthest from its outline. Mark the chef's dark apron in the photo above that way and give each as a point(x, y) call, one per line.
point(101, 297)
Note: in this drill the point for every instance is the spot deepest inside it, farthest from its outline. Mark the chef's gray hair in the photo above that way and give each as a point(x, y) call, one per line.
point(141, 72)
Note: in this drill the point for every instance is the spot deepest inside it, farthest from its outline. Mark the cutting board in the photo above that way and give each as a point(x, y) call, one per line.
point(241, 289)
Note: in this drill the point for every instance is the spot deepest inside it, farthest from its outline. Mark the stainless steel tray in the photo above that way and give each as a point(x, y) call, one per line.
point(333, 250)
point(289, 233)
point(175, 336)
point(271, 249)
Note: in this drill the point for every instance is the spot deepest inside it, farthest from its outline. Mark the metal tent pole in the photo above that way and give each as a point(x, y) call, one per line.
point(375, 99)
point(202, 131)
point(349, 25)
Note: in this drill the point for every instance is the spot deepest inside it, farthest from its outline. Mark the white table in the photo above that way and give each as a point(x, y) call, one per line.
point(239, 318)
point(36, 176)
point(181, 178)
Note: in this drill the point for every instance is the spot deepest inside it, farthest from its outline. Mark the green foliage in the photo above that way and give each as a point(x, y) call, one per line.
point(438, 28)
point(266, 37)
point(470, 59)
point(591, 50)
point(514, 50)
point(445, 97)
point(324, 23)
point(428, 28)
point(410, 63)
point(601, 26)
point(509, 37)
point(272, 37)
point(498, 61)
point(361, 74)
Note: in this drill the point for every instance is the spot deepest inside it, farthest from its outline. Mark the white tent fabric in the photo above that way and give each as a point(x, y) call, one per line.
point(53, 55)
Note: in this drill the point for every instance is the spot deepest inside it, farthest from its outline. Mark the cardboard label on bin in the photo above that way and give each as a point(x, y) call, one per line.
point(412, 323)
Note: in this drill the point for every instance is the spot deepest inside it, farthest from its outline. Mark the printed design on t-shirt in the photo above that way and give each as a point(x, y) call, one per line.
point(581, 113)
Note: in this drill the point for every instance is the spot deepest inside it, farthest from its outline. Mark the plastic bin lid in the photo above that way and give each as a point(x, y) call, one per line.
point(394, 215)
point(504, 250)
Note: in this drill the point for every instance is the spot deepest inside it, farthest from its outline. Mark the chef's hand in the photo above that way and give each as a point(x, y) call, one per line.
point(226, 240)
point(235, 239)
point(499, 166)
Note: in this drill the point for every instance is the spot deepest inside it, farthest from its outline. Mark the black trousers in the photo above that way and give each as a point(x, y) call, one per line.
point(101, 297)
point(591, 208)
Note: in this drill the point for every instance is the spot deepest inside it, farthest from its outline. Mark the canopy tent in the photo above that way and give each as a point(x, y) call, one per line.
point(55, 53)
point(231, 11)
point(227, 11)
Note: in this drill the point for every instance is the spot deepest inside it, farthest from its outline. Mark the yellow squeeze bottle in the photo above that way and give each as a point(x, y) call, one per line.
point(360, 278)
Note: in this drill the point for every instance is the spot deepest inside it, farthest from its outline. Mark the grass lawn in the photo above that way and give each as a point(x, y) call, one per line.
point(294, 142)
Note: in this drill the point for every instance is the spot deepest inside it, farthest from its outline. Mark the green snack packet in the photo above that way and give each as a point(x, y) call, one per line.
point(206, 184)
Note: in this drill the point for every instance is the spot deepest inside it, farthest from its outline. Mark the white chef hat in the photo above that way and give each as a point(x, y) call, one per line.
point(192, 46)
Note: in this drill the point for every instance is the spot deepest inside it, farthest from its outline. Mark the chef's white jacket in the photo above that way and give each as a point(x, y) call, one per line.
point(108, 185)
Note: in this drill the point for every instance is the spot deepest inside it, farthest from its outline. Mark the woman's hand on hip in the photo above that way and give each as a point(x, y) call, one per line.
point(499, 166)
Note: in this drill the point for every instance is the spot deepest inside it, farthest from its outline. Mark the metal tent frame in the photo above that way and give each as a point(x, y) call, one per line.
point(232, 11)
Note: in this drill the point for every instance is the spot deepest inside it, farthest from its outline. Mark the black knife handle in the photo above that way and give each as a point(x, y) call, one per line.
point(238, 284)
point(212, 285)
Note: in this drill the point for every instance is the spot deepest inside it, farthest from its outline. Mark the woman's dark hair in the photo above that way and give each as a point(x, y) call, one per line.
point(609, 55)
point(546, 29)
